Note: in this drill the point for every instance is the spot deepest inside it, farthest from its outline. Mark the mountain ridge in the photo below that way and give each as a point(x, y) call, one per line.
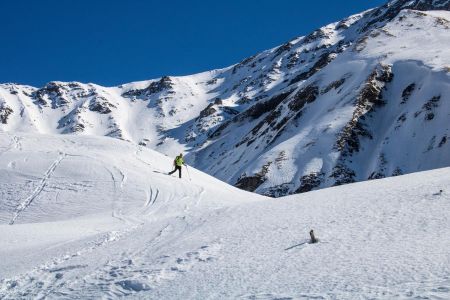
point(304, 115)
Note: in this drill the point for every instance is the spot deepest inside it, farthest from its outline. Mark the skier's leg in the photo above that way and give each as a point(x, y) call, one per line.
point(179, 171)
point(171, 172)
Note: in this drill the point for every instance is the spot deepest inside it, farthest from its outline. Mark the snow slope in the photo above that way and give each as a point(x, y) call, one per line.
point(94, 217)
point(362, 98)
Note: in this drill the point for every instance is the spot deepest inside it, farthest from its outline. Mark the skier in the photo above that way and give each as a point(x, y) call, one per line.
point(177, 163)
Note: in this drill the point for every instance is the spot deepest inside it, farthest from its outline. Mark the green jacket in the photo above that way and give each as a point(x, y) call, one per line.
point(178, 161)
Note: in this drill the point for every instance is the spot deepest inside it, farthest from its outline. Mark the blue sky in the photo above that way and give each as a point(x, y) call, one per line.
point(114, 42)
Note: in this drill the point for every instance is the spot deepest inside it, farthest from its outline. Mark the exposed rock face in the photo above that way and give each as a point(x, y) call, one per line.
point(251, 183)
point(369, 98)
point(429, 108)
point(309, 182)
point(209, 110)
point(391, 9)
point(5, 111)
point(323, 60)
point(407, 92)
point(54, 94)
point(164, 84)
point(101, 105)
point(304, 96)
point(362, 98)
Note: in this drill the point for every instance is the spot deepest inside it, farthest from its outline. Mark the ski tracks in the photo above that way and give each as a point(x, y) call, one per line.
point(146, 268)
point(151, 199)
point(27, 202)
point(46, 279)
point(17, 143)
point(8, 147)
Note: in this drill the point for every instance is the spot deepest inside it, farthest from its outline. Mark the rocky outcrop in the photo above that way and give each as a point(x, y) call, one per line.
point(251, 183)
point(54, 94)
point(390, 10)
point(310, 182)
point(314, 99)
point(5, 112)
point(323, 61)
point(369, 98)
point(101, 105)
point(164, 84)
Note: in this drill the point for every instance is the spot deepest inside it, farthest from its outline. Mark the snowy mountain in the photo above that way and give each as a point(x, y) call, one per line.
point(359, 99)
point(94, 217)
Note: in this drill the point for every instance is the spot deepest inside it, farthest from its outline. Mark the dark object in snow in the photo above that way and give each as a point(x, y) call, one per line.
point(313, 238)
point(438, 193)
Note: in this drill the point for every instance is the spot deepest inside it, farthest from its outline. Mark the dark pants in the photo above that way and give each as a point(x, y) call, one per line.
point(176, 168)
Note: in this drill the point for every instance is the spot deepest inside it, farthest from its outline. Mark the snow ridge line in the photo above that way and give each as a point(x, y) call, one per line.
point(22, 206)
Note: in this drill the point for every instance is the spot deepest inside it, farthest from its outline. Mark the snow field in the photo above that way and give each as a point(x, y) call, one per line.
point(119, 227)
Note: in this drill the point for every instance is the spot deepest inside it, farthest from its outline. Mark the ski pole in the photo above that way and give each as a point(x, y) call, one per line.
point(189, 175)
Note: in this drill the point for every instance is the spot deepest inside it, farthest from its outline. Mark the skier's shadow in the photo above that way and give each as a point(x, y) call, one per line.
point(160, 172)
point(305, 242)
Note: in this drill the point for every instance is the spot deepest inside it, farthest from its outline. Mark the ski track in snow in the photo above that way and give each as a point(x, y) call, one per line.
point(134, 271)
point(150, 198)
point(48, 277)
point(170, 238)
point(17, 143)
point(8, 147)
point(27, 202)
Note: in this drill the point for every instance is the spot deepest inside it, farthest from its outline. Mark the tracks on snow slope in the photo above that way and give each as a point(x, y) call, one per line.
point(27, 202)
point(138, 269)
point(118, 273)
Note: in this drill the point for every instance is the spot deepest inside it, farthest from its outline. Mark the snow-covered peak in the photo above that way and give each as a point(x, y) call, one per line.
point(324, 109)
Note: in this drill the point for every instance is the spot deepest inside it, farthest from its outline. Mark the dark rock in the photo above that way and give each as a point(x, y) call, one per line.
point(52, 91)
point(443, 141)
point(376, 175)
point(283, 48)
point(209, 110)
point(391, 9)
point(218, 131)
point(369, 98)
point(432, 103)
point(5, 112)
point(261, 108)
point(244, 100)
point(309, 182)
point(78, 127)
point(429, 108)
point(342, 174)
point(101, 105)
point(230, 111)
point(334, 85)
point(400, 120)
point(292, 60)
point(397, 172)
point(429, 116)
point(251, 183)
point(407, 92)
point(243, 63)
point(342, 25)
point(306, 95)
point(278, 190)
point(212, 81)
point(315, 35)
point(323, 61)
point(164, 84)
